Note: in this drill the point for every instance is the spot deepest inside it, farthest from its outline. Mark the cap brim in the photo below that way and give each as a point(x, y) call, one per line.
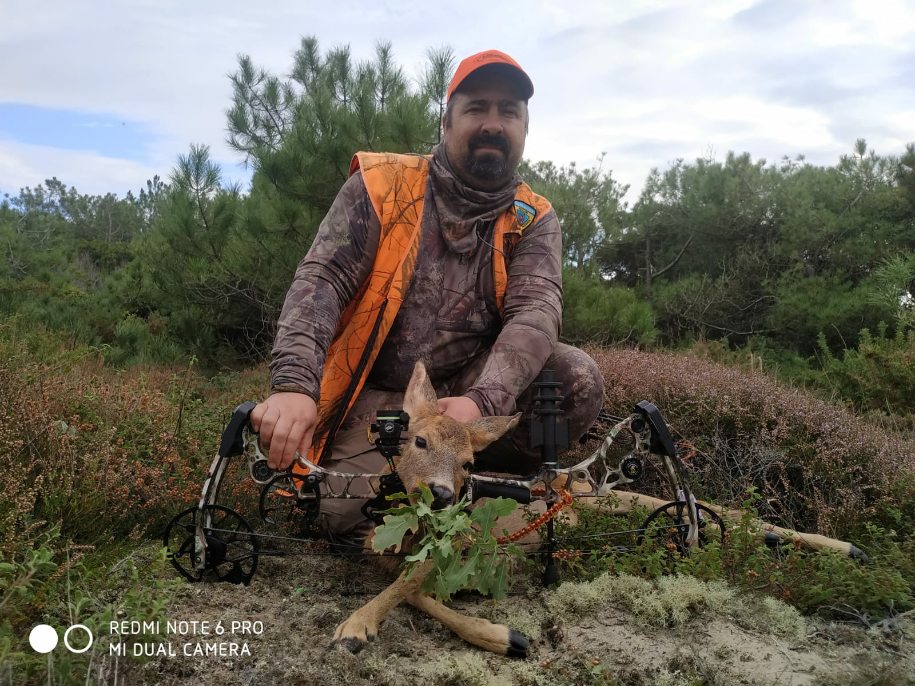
point(513, 73)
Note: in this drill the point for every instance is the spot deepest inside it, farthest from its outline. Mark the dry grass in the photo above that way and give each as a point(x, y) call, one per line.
point(103, 453)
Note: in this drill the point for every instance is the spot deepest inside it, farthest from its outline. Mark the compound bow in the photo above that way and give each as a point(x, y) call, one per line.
point(209, 540)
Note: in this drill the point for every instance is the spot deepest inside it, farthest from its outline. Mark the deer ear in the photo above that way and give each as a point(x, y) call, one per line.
point(484, 431)
point(420, 396)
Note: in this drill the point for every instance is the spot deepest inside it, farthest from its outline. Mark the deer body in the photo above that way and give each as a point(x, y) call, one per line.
point(438, 454)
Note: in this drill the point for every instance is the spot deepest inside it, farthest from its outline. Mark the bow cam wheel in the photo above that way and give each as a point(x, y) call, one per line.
point(669, 526)
point(178, 540)
point(231, 550)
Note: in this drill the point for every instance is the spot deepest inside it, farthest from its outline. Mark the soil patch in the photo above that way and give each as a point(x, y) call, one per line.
point(300, 601)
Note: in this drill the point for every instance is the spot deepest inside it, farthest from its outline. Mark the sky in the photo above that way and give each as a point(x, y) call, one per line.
point(105, 94)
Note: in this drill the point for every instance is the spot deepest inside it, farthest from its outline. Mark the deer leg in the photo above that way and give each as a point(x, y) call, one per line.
point(496, 638)
point(362, 626)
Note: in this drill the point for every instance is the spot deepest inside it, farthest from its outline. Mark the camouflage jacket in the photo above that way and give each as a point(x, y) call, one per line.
point(449, 318)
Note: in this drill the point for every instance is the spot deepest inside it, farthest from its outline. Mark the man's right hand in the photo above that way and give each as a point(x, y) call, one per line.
point(286, 424)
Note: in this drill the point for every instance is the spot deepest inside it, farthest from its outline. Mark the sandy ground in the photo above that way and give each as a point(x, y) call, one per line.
point(300, 600)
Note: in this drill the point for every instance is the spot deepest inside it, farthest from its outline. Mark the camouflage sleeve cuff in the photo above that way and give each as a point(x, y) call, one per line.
point(502, 408)
point(292, 389)
point(288, 381)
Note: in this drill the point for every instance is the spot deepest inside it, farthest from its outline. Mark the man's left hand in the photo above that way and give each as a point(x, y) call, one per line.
point(461, 408)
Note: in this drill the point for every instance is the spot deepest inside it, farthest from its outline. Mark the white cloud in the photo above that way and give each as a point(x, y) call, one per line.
point(29, 165)
point(645, 81)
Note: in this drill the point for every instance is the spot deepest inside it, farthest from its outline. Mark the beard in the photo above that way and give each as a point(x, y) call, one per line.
point(490, 166)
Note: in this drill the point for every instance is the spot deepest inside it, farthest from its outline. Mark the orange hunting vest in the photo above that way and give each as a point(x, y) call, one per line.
point(396, 186)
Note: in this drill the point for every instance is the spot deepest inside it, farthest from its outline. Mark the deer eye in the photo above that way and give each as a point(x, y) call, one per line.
point(420, 442)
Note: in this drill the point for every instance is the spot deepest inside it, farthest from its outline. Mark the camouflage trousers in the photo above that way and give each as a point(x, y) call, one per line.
point(582, 388)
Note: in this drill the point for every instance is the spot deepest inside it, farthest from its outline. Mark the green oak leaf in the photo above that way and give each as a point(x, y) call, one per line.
point(392, 532)
point(486, 514)
point(420, 554)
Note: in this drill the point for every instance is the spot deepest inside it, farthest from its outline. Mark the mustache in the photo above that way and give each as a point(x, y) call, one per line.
point(490, 141)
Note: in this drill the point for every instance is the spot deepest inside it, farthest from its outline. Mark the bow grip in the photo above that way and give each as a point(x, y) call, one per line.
point(489, 489)
point(232, 441)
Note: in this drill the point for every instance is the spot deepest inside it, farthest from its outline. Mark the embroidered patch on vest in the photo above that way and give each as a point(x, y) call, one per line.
point(524, 214)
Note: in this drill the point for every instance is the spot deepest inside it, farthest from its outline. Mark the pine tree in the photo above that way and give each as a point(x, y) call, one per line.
point(223, 260)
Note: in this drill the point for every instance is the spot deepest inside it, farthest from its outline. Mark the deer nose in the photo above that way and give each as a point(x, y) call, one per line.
point(441, 497)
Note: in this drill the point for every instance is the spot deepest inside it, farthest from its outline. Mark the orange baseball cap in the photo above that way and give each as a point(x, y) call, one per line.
point(482, 59)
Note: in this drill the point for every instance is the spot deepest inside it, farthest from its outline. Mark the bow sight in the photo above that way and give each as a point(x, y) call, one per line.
point(210, 540)
point(389, 425)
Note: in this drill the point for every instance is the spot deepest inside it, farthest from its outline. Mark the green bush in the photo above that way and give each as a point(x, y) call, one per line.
point(877, 375)
point(56, 584)
point(825, 308)
point(812, 582)
point(134, 343)
point(596, 312)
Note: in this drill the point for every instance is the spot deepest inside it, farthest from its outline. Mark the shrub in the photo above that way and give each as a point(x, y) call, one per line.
point(102, 453)
point(46, 586)
point(816, 465)
point(877, 375)
point(831, 306)
point(596, 312)
point(665, 586)
point(91, 458)
point(134, 343)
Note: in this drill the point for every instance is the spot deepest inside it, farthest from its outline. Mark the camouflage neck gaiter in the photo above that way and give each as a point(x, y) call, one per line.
point(462, 211)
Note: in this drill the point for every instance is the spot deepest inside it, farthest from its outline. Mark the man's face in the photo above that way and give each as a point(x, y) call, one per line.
point(485, 130)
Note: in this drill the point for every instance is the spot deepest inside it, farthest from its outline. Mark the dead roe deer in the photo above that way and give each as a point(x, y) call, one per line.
point(438, 453)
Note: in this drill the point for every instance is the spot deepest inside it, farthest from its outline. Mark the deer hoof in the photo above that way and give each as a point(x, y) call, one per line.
point(518, 644)
point(351, 643)
point(855, 553)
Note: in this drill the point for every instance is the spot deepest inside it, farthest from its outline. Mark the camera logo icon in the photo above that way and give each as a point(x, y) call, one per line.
point(43, 638)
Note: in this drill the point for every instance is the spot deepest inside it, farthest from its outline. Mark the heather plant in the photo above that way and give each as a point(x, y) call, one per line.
point(815, 464)
point(103, 454)
point(93, 462)
point(96, 462)
point(777, 452)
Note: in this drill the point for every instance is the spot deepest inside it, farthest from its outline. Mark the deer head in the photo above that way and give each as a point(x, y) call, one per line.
point(439, 450)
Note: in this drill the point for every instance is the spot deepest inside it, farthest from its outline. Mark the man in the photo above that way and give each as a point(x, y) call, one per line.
point(450, 260)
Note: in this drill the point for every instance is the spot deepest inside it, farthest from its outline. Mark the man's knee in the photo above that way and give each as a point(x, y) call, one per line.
point(582, 384)
point(582, 388)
